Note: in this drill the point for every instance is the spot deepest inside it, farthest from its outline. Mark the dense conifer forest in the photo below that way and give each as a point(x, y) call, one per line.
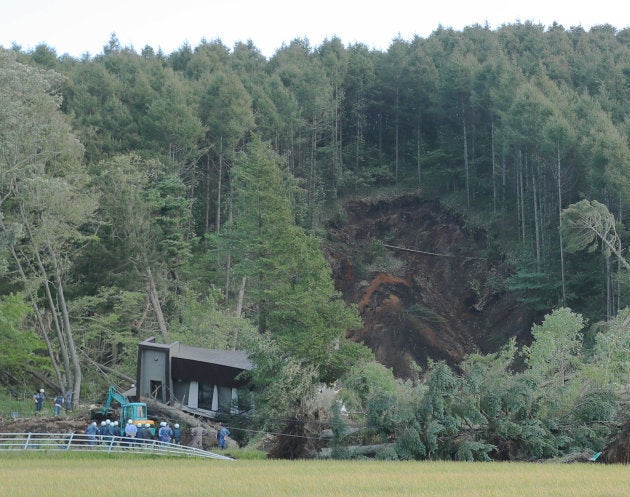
point(186, 196)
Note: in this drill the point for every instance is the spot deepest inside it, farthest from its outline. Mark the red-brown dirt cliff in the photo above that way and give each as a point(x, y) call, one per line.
point(426, 286)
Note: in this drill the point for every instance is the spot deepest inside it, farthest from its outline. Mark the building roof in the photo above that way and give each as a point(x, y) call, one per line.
point(237, 359)
point(231, 358)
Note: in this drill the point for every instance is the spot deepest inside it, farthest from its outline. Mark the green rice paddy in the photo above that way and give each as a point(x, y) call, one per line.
point(82, 475)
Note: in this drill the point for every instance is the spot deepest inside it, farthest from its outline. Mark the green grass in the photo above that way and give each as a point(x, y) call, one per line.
point(11, 406)
point(71, 475)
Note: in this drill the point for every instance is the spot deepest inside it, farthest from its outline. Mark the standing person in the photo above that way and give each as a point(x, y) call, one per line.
point(102, 432)
point(91, 431)
point(165, 433)
point(107, 432)
point(146, 432)
point(68, 399)
point(115, 431)
point(221, 434)
point(58, 404)
point(131, 431)
point(197, 434)
point(141, 435)
point(177, 434)
point(39, 400)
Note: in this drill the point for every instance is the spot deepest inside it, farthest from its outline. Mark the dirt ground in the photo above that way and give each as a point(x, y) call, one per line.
point(74, 423)
point(426, 285)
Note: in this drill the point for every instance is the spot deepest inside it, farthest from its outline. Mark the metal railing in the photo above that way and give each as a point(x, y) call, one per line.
point(80, 442)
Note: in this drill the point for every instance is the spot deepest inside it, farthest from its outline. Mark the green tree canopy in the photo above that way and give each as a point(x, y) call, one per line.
point(291, 293)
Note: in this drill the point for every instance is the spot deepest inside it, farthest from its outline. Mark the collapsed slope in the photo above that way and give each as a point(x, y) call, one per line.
point(426, 287)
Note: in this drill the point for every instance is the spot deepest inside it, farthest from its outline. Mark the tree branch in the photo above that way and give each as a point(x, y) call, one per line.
point(431, 253)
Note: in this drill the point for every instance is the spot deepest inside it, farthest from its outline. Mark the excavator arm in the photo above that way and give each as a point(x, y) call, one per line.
point(114, 395)
point(136, 411)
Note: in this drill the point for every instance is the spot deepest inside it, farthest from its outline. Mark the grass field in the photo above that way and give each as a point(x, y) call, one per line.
point(87, 475)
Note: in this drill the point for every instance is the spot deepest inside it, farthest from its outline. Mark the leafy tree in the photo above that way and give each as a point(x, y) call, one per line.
point(19, 347)
point(146, 215)
point(358, 83)
point(306, 80)
point(281, 384)
point(170, 124)
point(290, 288)
point(226, 111)
point(556, 350)
point(611, 354)
point(204, 323)
point(586, 224)
point(44, 192)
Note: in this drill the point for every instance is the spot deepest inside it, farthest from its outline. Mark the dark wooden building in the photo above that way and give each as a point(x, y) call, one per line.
point(192, 378)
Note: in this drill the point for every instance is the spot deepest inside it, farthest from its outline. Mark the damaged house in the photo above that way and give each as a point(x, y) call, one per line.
point(192, 378)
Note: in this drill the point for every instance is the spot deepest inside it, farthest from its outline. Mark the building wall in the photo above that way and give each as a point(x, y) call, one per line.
point(191, 377)
point(153, 380)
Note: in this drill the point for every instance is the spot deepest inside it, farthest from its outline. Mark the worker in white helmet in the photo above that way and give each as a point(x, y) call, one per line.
point(131, 430)
point(92, 432)
point(39, 398)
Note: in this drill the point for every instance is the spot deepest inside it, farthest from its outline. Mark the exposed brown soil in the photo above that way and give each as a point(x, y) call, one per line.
point(618, 451)
point(76, 423)
point(425, 286)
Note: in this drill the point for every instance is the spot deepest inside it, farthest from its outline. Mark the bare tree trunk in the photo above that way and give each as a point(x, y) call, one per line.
point(207, 207)
point(494, 168)
point(521, 194)
point(357, 151)
point(380, 139)
point(466, 164)
point(155, 302)
point(63, 346)
point(418, 151)
point(40, 321)
point(228, 269)
point(313, 168)
point(228, 278)
point(217, 222)
point(609, 289)
point(107, 369)
point(53, 360)
point(65, 315)
point(336, 155)
point(397, 130)
point(559, 184)
point(536, 222)
point(503, 177)
point(241, 296)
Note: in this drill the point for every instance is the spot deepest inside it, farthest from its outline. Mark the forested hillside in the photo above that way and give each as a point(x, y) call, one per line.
point(187, 195)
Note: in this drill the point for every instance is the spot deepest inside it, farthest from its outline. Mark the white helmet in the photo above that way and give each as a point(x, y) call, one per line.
point(176, 425)
point(93, 423)
point(147, 425)
point(163, 423)
point(115, 423)
point(41, 390)
point(108, 422)
point(130, 422)
point(102, 423)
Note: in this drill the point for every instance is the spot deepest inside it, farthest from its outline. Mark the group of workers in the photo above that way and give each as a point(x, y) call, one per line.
point(59, 402)
point(109, 430)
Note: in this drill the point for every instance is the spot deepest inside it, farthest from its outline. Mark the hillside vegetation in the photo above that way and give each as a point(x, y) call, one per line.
point(187, 196)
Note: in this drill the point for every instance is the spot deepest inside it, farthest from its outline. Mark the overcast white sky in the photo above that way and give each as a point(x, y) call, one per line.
point(76, 27)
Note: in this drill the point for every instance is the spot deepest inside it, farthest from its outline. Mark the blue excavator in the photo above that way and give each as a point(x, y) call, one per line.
point(136, 411)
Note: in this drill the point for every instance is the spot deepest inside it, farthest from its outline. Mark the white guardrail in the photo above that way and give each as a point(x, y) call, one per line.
point(81, 442)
